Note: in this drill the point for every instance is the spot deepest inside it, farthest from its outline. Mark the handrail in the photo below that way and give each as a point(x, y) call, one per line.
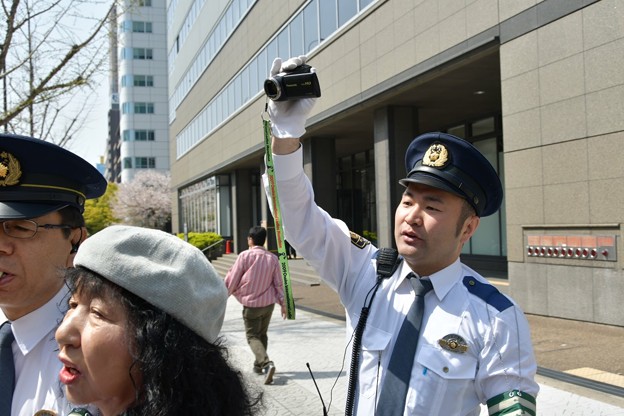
point(213, 245)
point(214, 251)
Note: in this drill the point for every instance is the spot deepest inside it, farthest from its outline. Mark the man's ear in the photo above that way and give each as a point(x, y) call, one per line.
point(470, 226)
point(77, 236)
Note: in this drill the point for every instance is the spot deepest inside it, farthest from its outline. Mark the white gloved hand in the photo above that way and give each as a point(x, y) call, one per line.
point(288, 118)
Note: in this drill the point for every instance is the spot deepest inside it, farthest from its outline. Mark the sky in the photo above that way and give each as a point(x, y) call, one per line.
point(90, 141)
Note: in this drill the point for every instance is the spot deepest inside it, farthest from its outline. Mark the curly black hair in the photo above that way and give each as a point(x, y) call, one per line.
point(181, 372)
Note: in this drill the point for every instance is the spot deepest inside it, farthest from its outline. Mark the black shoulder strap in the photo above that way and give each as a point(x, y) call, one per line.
point(388, 261)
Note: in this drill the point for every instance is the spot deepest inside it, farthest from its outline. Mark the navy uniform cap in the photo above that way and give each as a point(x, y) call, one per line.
point(452, 164)
point(38, 177)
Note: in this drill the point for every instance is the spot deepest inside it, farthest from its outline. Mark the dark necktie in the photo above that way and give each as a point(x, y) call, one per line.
point(7, 369)
point(394, 390)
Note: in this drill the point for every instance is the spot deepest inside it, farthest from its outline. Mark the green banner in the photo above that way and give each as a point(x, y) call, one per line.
point(277, 215)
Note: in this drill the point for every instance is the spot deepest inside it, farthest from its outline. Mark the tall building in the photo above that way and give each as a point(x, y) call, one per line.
point(537, 86)
point(113, 162)
point(139, 91)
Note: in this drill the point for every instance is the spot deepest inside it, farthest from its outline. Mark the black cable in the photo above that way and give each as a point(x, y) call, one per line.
point(388, 261)
point(344, 356)
point(355, 354)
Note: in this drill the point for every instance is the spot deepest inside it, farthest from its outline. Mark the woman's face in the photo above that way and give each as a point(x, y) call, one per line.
point(96, 354)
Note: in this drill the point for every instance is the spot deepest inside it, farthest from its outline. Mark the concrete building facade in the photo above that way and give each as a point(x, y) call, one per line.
point(537, 86)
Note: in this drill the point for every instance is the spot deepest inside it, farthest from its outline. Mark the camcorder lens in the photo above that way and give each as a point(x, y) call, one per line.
point(272, 88)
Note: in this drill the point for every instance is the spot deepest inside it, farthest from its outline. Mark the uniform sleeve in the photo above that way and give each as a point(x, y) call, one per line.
point(323, 241)
point(506, 376)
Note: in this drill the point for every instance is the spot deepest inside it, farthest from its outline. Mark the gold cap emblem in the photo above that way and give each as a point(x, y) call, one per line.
point(436, 156)
point(453, 343)
point(10, 170)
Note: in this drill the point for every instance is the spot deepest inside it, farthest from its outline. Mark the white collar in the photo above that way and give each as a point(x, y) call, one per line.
point(30, 329)
point(442, 280)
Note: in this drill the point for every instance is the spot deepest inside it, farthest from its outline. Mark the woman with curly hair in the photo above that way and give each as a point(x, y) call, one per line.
point(141, 333)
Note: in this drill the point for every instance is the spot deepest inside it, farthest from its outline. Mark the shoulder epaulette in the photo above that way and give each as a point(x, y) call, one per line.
point(488, 293)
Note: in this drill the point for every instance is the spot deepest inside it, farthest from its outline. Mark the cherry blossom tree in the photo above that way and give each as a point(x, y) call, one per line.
point(144, 201)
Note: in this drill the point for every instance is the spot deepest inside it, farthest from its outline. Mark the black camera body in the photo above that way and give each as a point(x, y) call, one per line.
point(293, 85)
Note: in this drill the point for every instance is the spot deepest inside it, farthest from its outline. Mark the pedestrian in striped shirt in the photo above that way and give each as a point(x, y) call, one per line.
point(256, 282)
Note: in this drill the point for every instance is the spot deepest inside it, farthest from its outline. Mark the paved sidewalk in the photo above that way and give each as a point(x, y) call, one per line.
point(320, 341)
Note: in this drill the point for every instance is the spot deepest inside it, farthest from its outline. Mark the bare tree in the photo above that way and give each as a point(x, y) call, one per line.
point(144, 201)
point(50, 51)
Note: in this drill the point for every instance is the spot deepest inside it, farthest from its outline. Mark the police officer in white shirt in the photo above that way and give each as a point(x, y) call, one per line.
point(474, 346)
point(43, 188)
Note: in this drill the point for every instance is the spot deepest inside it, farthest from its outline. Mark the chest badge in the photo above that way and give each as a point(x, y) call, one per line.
point(453, 343)
point(46, 413)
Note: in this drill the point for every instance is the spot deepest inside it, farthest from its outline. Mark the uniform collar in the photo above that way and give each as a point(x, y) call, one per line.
point(30, 329)
point(442, 280)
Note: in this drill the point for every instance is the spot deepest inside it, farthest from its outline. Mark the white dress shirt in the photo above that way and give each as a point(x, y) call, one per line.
point(37, 367)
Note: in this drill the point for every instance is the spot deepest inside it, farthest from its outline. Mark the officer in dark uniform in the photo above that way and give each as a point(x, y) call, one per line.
point(43, 188)
point(473, 343)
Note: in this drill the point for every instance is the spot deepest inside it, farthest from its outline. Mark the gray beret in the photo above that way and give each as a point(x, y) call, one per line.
point(162, 269)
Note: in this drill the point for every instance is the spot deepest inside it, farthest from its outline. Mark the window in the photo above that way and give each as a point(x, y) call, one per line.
point(135, 26)
point(144, 108)
point(137, 80)
point(356, 193)
point(296, 36)
point(139, 135)
point(137, 108)
point(327, 15)
point(144, 3)
point(143, 81)
point(487, 240)
point(283, 44)
point(485, 135)
point(310, 27)
point(346, 10)
point(484, 126)
point(142, 53)
point(142, 27)
point(145, 162)
point(144, 135)
point(127, 163)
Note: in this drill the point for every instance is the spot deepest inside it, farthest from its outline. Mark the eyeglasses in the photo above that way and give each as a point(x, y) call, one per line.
point(27, 228)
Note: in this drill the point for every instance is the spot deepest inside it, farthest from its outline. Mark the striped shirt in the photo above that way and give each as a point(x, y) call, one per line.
point(255, 279)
